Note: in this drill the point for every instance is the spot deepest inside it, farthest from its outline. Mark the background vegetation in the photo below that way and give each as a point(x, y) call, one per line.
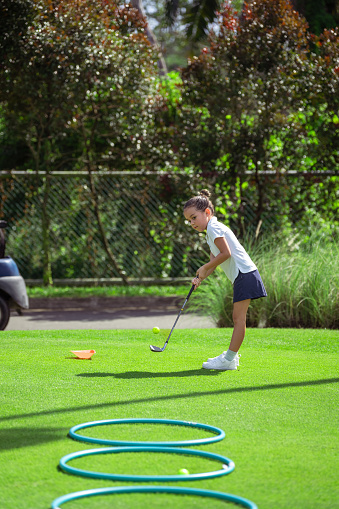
point(301, 280)
point(252, 114)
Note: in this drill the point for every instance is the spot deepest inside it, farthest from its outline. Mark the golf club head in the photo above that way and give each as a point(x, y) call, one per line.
point(156, 348)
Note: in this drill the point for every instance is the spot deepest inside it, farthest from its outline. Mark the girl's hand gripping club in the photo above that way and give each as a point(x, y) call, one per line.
point(157, 348)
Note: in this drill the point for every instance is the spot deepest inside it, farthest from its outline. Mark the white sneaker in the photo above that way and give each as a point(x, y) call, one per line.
point(220, 363)
point(236, 358)
point(217, 357)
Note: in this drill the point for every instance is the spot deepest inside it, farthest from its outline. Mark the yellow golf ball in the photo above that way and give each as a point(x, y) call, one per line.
point(183, 471)
point(156, 330)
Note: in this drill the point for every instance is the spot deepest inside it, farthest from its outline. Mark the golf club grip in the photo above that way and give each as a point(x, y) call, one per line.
point(188, 296)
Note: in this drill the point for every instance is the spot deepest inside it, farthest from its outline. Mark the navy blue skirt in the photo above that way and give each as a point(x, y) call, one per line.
point(248, 286)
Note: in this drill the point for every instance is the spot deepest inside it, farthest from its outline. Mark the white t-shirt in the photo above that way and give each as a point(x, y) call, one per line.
point(239, 259)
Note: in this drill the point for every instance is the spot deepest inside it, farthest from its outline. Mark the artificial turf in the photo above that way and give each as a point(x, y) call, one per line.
point(279, 412)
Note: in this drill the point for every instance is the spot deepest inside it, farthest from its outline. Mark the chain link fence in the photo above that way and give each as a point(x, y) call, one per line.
point(127, 213)
point(113, 227)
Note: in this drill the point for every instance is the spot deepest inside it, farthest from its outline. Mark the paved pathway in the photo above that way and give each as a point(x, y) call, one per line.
point(96, 313)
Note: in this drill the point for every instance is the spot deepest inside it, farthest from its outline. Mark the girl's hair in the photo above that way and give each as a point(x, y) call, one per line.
point(200, 202)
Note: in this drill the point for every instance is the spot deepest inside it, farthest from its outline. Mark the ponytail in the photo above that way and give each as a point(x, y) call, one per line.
point(201, 202)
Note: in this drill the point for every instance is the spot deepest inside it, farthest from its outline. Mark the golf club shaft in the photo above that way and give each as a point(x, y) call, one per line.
point(181, 310)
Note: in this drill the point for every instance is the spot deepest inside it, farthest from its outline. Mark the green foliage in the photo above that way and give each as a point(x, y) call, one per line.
point(320, 14)
point(196, 16)
point(256, 109)
point(15, 17)
point(301, 280)
point(91, 80)
point(173, 41)
point(270, 93)
point(254, 78)
point(139, 215)
point(79, 92)
point(144, 223)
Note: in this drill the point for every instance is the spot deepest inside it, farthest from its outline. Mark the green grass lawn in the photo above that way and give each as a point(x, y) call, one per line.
point(279, 412)
point(106, 291)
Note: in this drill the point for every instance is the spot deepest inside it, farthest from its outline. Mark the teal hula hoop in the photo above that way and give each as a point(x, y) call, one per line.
point(220, 434)
point(227, 464)
point(243, 502)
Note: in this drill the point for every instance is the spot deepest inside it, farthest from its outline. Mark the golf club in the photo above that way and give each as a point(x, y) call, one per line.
point(157, 348)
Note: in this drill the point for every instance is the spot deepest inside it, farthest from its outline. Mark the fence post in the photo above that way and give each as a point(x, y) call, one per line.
point(46, 239)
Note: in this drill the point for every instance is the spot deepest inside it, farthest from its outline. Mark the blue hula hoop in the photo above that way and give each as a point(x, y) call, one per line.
point(243, 502)
point(227, 464)
point(220, 434)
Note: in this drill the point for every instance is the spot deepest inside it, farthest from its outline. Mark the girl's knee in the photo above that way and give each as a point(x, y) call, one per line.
point(239, 320)
point(240, 312)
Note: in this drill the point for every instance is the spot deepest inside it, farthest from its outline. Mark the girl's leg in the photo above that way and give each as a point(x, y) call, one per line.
point(226, 360)
point(239, 320)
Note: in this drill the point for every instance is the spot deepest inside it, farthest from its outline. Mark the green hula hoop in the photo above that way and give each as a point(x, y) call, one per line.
point(227, 464)
point(243, 502)
point(220, 434)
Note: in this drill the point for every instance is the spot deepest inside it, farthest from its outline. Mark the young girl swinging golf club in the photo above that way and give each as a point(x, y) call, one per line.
point(227, 252)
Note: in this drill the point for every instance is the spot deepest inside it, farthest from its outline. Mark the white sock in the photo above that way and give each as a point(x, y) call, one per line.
point(230, 355)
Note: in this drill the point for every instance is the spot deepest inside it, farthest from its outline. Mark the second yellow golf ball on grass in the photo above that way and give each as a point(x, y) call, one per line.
point(183, 471)
point(156, 330)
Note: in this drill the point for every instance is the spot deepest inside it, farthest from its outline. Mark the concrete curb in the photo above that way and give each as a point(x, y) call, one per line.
point(106, 303)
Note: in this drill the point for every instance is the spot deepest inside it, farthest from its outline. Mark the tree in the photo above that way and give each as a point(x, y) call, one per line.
point(260, 99)
point(84, 72)
point(14, 21)
point(137, 4)
point(320, 14)
point(172, 38)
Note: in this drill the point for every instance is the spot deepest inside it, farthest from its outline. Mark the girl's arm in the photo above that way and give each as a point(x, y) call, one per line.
point(225, 253)
point(212, 257)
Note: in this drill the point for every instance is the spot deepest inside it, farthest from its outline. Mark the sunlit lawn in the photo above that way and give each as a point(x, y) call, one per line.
point(279, 412)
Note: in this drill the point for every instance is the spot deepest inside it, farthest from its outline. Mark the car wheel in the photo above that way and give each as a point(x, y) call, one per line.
point(4, 313)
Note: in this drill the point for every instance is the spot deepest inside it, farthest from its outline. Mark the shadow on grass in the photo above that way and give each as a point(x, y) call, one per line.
point(267, 387)
point(14, 438)
point(149, 374)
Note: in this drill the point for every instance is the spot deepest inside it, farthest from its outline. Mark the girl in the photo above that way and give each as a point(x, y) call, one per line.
point(227, 252)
